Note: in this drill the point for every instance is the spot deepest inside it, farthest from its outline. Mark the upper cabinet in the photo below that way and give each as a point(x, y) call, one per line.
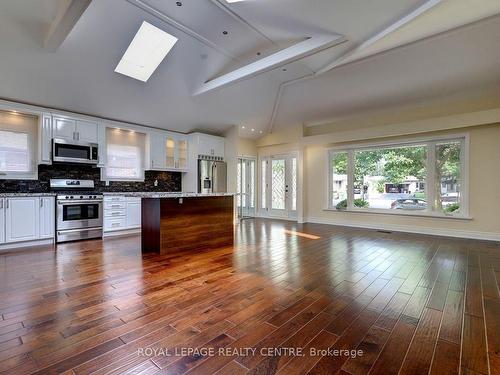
point(45, 139)
point(86, 131)
point(168, 151)
point(209, 145)
point(74, 129)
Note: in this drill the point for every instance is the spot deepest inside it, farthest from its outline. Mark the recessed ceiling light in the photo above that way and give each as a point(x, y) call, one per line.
point(233, 1)
point(146, 51)
point(253, 129)
point(260, 131)
point(243, 127)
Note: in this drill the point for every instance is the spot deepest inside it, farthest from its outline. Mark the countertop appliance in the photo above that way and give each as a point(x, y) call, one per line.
point(65, 151)
point(79, 211)
point(212, 176)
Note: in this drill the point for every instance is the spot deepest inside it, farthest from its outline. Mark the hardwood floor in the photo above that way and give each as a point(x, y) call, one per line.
point(412, 304)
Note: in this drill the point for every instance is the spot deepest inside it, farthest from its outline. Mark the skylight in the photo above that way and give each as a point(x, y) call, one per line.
point(146, 51)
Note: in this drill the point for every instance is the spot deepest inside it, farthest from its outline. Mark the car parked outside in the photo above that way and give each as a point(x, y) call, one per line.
point(409, 204)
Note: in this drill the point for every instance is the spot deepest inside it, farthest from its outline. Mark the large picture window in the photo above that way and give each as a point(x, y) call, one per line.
point(421, 177)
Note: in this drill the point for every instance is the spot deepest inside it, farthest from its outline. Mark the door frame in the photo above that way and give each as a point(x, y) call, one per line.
point(268, 211)
point(253, 212)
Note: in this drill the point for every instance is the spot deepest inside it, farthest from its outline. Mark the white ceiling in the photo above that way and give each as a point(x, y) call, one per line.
point(79, 76)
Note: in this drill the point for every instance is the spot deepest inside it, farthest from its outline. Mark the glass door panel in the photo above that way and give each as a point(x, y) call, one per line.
point(279, 186)
point(170, 147)
point(246, 188)
point(182, 159)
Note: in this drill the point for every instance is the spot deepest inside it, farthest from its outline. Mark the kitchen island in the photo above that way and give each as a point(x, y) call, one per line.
point(174, 222)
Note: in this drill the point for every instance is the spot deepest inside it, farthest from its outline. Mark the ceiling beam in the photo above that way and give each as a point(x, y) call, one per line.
point(64, 23)
point(391, 28)
point(296, 52)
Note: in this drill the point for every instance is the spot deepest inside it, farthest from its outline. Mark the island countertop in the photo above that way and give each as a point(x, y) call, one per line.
point(159, 194)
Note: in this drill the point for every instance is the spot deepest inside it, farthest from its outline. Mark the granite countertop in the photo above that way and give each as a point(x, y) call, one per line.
point(156, 194)
point(7, 195)
point(141, 194)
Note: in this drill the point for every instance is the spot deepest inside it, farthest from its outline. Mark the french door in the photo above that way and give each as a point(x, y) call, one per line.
point(246, 187)
point(279, 185)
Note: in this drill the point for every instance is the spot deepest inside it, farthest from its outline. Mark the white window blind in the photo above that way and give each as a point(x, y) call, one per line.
point(17, 145)
point(125, 155)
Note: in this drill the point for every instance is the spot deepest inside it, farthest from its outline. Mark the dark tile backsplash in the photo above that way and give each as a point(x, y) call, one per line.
point(167, 181)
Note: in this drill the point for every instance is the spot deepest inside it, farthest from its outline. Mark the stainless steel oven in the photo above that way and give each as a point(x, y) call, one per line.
point(79, 215)
point(65, 151)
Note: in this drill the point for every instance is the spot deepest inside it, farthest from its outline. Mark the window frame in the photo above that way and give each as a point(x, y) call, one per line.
point(430, 143)
point(32, 173)
point(104, 170)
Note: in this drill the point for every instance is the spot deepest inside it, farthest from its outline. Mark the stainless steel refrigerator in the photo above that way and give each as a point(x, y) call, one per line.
point(212, 176)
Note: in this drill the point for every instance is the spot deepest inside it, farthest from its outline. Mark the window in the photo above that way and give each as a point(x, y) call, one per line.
point(263, 186)
point(385, 176)
point(338, 179)
point(125, 155)
point(415, 177)
point(17, 146)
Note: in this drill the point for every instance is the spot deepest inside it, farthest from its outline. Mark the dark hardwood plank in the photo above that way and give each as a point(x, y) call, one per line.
point(89, 306)
point(419, 357)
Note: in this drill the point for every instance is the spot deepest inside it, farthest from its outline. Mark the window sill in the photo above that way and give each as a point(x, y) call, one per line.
point(391, 212)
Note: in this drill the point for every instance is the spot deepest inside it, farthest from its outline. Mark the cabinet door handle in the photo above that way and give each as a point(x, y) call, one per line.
point(115, 206)
point(41, 202)
point(77, 136)
point(6, 203)
point(1, 204)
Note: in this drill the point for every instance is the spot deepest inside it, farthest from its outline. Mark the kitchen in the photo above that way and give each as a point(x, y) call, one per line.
point(84, 176)
point(249, 187)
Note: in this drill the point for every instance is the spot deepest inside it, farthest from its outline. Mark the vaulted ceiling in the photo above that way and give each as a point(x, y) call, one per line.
point(265, 64)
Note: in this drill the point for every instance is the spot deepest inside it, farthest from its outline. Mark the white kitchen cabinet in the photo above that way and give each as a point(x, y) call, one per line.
point(75, 129)
point(86, 131)
point(45, 139)
point(121, 213)
point(47, 217)
point(210, 145)
point(168, 151)
point(64, 128)
point(134, 214)
point(21, 219)
point(157, 151)
point(2, 220)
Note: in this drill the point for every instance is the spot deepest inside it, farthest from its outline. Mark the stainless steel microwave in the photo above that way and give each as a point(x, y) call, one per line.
point(66, 151)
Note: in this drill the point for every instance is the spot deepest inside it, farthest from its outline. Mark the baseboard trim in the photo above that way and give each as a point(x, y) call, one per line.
point(124, 232)
point(25, 244)
point(475, 235)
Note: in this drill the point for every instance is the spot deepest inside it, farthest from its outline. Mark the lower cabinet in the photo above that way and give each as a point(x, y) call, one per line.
point(26, 219)
point(121, 213)
point(2, 220)
point(47, 217)
point(21, 219)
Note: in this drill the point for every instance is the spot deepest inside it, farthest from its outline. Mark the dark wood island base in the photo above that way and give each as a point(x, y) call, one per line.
point(187, 223)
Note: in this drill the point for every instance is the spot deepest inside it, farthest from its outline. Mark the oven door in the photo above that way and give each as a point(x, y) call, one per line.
point(79, 214)
point(74, 152)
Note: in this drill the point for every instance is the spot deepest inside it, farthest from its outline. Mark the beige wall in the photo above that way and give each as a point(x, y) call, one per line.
point(483, 128)
point(484, 183)
point(236, 146)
